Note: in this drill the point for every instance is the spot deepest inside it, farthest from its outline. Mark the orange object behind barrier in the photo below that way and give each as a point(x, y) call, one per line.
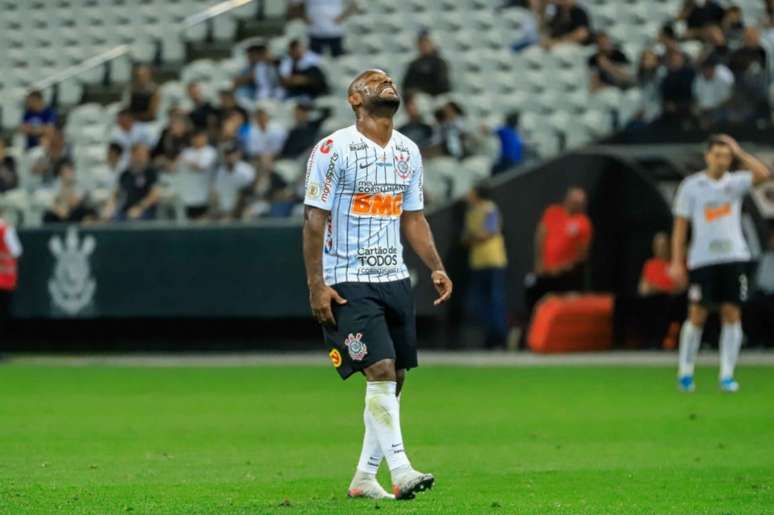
point(572, 324)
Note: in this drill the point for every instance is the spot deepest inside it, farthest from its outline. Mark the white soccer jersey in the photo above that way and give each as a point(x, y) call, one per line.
point(714, 210)
point(366, 188)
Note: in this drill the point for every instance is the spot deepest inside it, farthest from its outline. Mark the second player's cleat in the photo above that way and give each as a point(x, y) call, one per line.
point(367, 487)
point(729, 385)
point(686, 384)
point(406, 485)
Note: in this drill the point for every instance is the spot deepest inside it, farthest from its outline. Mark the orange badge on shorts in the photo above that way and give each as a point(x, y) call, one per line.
point(335, 357)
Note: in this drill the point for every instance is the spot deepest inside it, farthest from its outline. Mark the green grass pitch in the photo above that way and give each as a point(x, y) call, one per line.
point(286, 440)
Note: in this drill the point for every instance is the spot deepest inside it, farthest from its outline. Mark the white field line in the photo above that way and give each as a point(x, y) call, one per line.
point(426, 358)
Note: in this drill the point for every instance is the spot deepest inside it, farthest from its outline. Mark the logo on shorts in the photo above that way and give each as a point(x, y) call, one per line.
point(335, 357)
point(694, 293)
point(357, 349)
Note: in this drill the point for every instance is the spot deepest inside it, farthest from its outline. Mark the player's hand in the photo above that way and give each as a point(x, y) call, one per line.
point(731, 142)
point(443, 285)
point(320, 299)
point(679, 273)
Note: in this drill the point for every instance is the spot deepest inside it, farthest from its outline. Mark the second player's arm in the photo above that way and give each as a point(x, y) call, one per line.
point(420, 237)
point(679, 238)
point(760, 171)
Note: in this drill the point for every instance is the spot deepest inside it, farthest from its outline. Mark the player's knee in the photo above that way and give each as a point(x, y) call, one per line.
point(697, 315)
point(730, 314)
point(383, 370)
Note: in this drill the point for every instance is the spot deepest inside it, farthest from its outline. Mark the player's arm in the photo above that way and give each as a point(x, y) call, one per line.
point(417, 232)
point(321, 181)
point(679, 239)
point(760, 171)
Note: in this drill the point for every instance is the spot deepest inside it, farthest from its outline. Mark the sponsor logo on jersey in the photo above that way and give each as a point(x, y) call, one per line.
point(377, 204)
point(356, 347)
point(378, 257)
point(354, 147)
point(335, 356)
point(329, 174)
point(373, 187)
point(326, 147)
point(714, 212)
point(401, 148)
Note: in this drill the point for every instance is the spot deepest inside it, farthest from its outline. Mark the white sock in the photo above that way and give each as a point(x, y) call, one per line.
point(690, 340)
point(730, 342)
point(382, 411)
point(371, 456)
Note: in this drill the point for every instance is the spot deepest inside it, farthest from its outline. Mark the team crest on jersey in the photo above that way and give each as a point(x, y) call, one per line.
point(402, 165)
point(313, 190)
point(335, 356)
point(356, 347)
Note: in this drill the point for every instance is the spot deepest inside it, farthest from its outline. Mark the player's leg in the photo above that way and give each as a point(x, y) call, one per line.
point(730, 343)
point(690, 341)
point(701, 294)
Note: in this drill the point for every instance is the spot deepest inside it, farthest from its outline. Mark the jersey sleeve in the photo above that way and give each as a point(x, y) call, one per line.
point(414, 198)
point(742, 182)
point(322, 175)
point(683, 201)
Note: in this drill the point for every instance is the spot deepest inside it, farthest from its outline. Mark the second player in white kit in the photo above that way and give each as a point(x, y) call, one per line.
point(711, 202)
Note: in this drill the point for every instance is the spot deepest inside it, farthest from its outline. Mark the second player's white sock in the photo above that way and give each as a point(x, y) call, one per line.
point(730, 343)
point(382, 411)
point(371, 456)
point(690, 340)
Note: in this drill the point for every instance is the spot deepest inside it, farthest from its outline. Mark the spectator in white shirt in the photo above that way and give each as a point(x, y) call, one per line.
point(264, 137)
point(712, 89)
point(127, 133)
point(194, 170)
point(325, 19)
point(232, 184)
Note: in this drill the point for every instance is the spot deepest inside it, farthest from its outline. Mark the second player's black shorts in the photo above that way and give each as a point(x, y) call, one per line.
point(378, 322)
point(713, 285)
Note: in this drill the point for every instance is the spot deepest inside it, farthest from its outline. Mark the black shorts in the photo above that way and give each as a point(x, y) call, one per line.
point(713, 285)
point(378, 322)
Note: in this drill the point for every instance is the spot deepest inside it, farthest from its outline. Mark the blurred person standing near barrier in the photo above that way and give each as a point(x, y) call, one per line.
point(10, 251)
point(195, 169)
point(761, 307)
point(325, 19)
point(488, 261)
point(144, 95)
point(231, 185)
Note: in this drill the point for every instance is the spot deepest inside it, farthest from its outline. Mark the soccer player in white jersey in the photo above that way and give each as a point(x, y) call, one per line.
point(363, 187)
point(711, 202)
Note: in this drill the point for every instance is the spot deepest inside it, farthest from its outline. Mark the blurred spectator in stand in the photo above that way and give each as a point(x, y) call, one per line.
point(36, 118)
point(228, 105)
point(301, 74)
point(137, 191)
point(70, 201)
point(761, 306)
point(231, 186)
point(715, 45)
point(529, 25)
point(453, 137)
point(569, 24)
point(259, 80)
point(668, 40)
point(677, 90)
point(269, 195)
point(202, 114)
point(768, 18)
point(415, 128)
point(233, 130)
point(488, 261)
point(511, 145)
point(712, 90)
point(325, 19)
point(609, 66)
point(733, 26)
point(144, 95)
point(698, 15)
point(562, 243)
point(264, 137)
point(306, 130)
point(107, 175)
point(429, 72)
point(649, 76)
point(749, 66)
point(195, 169)
point(128, 133)
point(47, 158)
point(9, 179)
point(174, 138)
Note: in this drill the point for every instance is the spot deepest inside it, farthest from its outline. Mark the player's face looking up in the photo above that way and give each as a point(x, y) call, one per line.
point(374, 92)
point(719, 159)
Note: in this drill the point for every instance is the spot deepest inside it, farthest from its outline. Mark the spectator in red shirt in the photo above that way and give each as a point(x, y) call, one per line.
point(562, 243)
point(655, 278)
